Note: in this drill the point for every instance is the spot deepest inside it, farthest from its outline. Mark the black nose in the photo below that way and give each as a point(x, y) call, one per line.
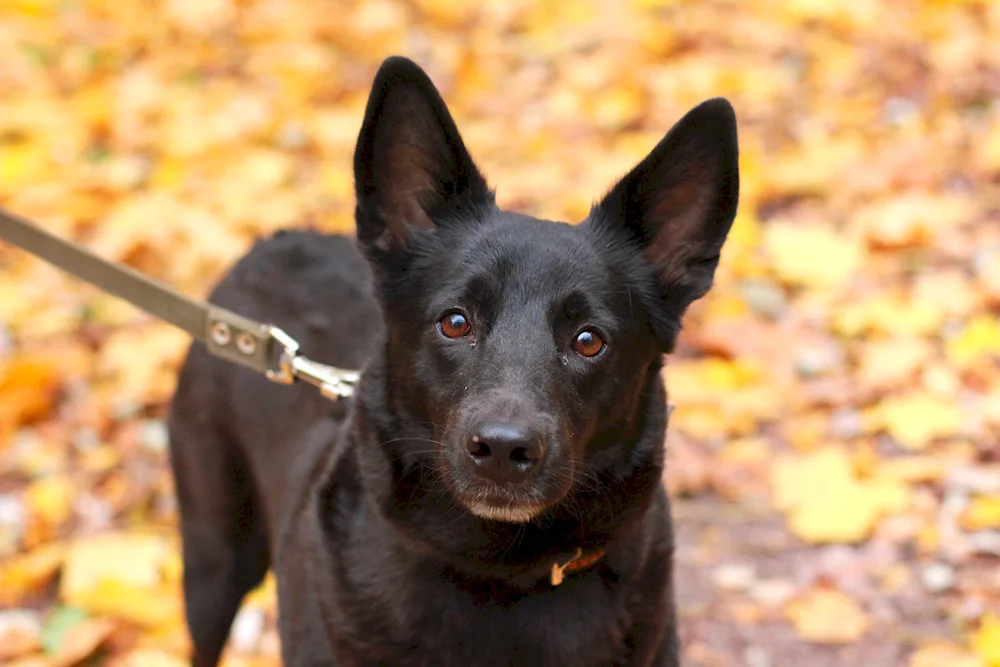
point(504, 451)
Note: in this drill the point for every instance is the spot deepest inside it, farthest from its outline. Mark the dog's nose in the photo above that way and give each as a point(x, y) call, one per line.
point(504, 451)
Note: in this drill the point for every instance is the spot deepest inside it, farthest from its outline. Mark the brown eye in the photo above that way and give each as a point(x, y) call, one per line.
point(588, 343)
point(454, 325)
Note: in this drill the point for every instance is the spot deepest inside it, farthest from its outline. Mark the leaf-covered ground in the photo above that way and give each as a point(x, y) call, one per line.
point(834, 452)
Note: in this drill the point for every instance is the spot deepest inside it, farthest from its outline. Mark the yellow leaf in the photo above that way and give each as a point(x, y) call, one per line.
point(986, 641)
point(793, 477)
point(891, 314)
point(989, 150)
point(121, 575)
point(827, 617)
point(913, 469)
point(21, 163)
point(812, 256)
point(619, 107)
point(978, 340)
point(100, 459)
point(264, 596)
point(52, 499)
point(944, 655)
point(983, 512)
point(915, 419)
point(149, 606)
point(34, 7)
point(888, 363)
point(27, 573)
point(741, 245)
point(449, 13)
point(702, 380)
point(912, 220)
point(813, 165)
point(132, 558)
point(824, 500)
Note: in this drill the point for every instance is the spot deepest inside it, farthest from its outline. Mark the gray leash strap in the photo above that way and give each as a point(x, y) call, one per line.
point(263, 348)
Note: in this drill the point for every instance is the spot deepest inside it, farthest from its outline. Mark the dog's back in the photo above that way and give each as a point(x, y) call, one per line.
point(236, 437)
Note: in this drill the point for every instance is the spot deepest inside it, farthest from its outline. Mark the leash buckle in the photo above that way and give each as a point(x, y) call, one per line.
point(333, 383)
point(269, 350)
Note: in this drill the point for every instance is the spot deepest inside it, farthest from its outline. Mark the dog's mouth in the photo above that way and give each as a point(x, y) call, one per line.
point(500, 504)
point(511, 503)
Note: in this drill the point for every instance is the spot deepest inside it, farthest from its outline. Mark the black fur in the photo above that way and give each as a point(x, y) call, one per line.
point(390, 544)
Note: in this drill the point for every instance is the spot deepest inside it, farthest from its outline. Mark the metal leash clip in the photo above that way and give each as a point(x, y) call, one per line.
point(274, 353)
point(333, 383)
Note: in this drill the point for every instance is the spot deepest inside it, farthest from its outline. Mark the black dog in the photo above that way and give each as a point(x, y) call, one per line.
point(492, 495)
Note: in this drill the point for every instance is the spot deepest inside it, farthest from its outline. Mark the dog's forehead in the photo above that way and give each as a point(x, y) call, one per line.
point(519, 245)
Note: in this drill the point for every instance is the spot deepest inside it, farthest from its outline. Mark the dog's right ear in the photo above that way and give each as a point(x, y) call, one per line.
point(411, 168)
point(677, 207)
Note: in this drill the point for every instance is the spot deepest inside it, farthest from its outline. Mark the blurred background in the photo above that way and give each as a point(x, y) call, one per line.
point(834, 452)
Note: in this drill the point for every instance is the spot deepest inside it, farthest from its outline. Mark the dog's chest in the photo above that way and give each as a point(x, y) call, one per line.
point(366, 604)
point(578, 623)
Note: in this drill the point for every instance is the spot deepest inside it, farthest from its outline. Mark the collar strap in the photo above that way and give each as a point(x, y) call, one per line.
point(578, 563)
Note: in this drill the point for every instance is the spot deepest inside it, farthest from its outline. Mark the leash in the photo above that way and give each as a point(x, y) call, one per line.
point(263, 348)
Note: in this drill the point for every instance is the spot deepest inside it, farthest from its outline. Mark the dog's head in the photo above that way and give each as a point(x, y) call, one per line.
point(519, 345)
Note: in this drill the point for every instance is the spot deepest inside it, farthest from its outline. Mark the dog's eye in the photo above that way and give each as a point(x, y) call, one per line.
point(454, 325)
point(588, 343)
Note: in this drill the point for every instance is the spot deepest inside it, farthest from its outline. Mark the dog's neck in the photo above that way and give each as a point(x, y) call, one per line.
point(412, 497)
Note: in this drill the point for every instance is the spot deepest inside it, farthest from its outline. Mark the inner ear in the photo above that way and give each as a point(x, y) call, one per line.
point(686, 211)
point(411, 165)
point(677, 206)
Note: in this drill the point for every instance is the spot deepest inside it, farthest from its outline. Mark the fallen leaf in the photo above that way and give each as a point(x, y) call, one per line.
point(986, 640)
point(983, 512)
point(812, 256)
point(121, 575)
point(827, 617)
point(978, 341)
point(885, 364)
point(911, 220)
point(824, 500)
point(27, 573)
point(944, 655)
point(916, 419)
point(27, 389)
point(51, 499)
point(890, 314)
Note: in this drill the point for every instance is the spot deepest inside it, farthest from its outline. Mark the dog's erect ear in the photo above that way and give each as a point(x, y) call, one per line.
point(678, 205)
point(410, 165)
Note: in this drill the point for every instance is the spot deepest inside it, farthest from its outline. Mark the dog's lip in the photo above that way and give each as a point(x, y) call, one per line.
point(510, 512)
point(501, 503)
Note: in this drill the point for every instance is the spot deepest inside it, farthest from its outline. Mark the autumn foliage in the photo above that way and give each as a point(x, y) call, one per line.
point(834, 451)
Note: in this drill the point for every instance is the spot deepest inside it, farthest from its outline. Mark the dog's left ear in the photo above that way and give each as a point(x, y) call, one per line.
point(411, 167)
point(678, 205)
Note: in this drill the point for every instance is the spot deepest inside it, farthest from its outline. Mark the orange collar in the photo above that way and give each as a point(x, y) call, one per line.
point(576, 564)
